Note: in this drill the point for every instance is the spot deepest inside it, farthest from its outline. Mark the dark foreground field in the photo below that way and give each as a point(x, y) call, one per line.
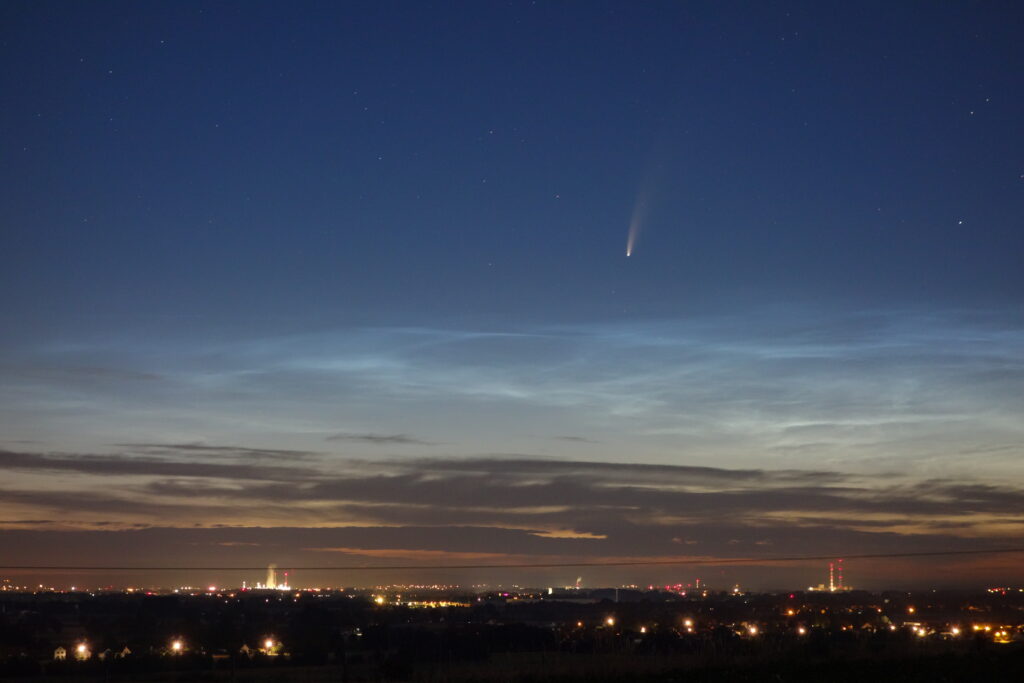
point(1004, 664)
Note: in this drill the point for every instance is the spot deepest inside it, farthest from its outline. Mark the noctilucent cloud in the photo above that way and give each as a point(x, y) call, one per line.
point(342, 284)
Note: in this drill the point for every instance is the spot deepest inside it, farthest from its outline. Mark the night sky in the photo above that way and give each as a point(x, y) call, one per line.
point(346, 283)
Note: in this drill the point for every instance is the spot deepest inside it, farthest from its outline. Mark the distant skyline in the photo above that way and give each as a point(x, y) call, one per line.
point(348, 284)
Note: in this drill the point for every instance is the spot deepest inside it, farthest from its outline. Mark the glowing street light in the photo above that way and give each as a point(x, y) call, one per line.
point(610, 621)
point(268, 644)
point(177, 646)
point(802, 630)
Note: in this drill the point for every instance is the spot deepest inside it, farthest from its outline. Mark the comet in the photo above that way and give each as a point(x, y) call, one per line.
point(636, 222)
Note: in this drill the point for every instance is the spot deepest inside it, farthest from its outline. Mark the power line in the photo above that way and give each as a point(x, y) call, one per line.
point(531, 565)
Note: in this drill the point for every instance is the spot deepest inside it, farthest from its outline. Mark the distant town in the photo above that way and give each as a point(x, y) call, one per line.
point(412, 632)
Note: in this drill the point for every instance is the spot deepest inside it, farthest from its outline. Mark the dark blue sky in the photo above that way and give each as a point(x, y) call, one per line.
point(397, 230)
point(481, 160)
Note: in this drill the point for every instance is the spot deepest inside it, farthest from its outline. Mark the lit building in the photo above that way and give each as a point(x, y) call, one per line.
point(835, 579)
point(272, 583)
point(270, 647)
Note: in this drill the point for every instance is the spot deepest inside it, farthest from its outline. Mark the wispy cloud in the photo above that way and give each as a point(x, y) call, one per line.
point(122, 465)
point(381, 439)
point(205, 449)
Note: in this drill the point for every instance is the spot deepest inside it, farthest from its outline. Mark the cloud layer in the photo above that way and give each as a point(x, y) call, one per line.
point(492, 510)
point(721, 437)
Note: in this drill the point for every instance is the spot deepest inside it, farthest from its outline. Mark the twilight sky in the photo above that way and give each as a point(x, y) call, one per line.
point(347, 283)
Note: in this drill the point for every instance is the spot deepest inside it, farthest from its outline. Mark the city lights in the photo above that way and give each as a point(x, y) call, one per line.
point(948, 622)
